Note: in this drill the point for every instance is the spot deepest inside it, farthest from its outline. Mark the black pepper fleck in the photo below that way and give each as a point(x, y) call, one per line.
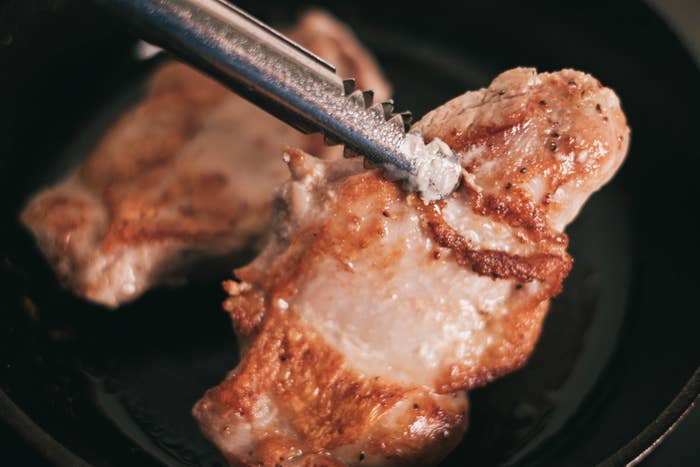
point(415, 406)
point(518, 286)
point(509, 186)
point(501, 92)
point(598, 108)
point(523, 170)
point(554, 134)
point(553, 146)
point(361, 456)
point(385, 213)
point(543, 102)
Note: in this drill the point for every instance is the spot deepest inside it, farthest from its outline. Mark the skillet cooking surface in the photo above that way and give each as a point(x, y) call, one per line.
point(116, 388)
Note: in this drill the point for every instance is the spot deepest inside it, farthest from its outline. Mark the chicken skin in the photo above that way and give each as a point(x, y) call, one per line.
point(188, 173)
point(369, 314)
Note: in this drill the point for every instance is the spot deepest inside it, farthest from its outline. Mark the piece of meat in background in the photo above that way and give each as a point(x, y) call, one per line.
point(188, 173)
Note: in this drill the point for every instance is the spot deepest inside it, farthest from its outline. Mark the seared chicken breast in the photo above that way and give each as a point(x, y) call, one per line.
point(188, 173)
point(369, 314)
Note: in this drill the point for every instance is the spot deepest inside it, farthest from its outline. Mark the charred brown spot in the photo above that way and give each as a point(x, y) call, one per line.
point(484, 134)
point(347, 402)
point(518, 212)
point(499, 264)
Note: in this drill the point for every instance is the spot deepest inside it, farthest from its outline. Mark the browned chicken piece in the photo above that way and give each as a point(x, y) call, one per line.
point(187, 173)
point(369, 314)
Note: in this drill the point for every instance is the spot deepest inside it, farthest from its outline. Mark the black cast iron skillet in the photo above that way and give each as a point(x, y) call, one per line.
point(614, 369)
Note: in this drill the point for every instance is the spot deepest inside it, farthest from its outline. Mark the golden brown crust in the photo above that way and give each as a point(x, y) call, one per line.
point(331, 236)
point(246, 309)
point(519, 211)
point(575, 130)
point(545, 267)
point(325, 404)
point(64, 213)
point(169, 125)
point(191, 208)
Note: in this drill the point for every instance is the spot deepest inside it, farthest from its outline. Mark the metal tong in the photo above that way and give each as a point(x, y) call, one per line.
point(288, 81)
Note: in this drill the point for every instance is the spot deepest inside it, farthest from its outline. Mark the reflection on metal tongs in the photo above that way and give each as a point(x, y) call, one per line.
point(293, 84)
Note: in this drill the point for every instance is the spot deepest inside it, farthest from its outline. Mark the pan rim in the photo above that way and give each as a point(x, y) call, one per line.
point(38, 439)
point(639, 447)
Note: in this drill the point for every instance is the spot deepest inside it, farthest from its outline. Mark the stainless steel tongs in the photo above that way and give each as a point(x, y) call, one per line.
point(293, 84)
